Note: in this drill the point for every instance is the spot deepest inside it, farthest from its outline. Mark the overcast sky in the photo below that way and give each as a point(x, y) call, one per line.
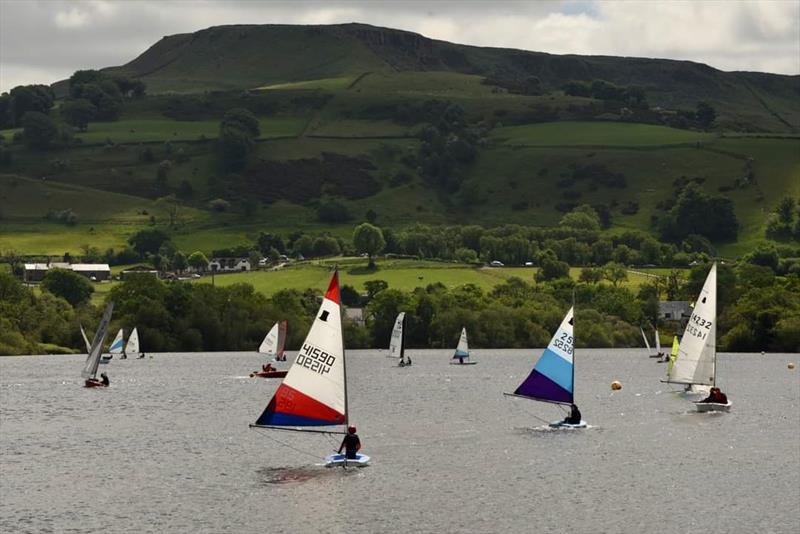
point(42, 41)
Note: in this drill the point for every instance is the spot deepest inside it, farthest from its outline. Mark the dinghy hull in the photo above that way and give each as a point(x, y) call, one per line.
point(94, 383)
point(465, 363)
point(562, 424)
point(703, 407)
point(338, 460)
point(269, 374)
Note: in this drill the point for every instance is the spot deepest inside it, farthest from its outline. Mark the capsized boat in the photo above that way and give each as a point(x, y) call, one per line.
point(695, 363)
point(553, 376)
point(461, 355)
point(314, 392)
point(89, 371)
point(397, 343)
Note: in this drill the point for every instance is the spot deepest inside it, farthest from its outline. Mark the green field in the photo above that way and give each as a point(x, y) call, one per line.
point(595, 134)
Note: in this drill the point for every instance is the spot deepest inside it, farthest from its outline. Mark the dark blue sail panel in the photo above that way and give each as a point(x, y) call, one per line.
point(538, 386)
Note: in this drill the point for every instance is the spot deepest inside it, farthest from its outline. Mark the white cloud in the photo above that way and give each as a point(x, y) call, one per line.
point(45, 39)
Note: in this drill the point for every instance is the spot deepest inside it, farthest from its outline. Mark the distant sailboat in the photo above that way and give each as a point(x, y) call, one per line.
point(461, 355)
point(673, 355)
point(397, 343)
point(650, 353)
point(96, 349)
point(314, 392)
point(696, 361)
point(552, 378)
point(116, 346)
point(273, 346)
point(132, 348)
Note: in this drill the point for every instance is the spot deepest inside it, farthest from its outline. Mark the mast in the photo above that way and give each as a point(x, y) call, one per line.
point(573, 345)
point(714, 326)
point(344, 358)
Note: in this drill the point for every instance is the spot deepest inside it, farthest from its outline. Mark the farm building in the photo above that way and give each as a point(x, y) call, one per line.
point(139, 269)
point(674, 309)
point(229, 265)
point(34, 272)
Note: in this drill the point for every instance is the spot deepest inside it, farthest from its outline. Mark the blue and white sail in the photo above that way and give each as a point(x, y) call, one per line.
point(118, 344)
point(462, 349)
point(552, 378)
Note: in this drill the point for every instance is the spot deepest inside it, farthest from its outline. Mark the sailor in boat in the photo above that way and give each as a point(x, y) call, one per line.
point(716, 396)
point(574, 417)
point(351, 444)
point(268, 368)
point(402, 363)
point(104, 379)
point(409, 360)
point(141, 355)
point(460, 359)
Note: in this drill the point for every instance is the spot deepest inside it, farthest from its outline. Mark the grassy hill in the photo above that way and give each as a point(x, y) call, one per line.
point(341, 109)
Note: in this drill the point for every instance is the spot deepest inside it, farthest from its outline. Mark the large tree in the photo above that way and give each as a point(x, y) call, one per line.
point(39, 130)
point(237, 134)
point(368, 239)
point(148, 240)
point(78, 113)
point(68, 285)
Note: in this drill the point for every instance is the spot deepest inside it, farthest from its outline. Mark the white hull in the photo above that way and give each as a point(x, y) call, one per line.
point(562, 424)
point(338, 460)
point(713, 407)
point(465, 363)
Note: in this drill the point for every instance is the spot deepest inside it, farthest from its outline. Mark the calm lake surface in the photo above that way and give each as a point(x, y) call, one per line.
point(167, 448)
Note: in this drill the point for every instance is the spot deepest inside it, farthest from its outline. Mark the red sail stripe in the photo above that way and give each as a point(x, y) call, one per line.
point(333, 288)
point(289, 401)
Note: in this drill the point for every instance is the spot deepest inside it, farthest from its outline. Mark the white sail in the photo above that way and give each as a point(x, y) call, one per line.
point(86, 340)
point(695, 362)
point(646, 343)
point(132, 348)
point(117, 344)
point(396, 341)
point(658, 343)
point(270, 344)
point(462, 349)
point(96, 349)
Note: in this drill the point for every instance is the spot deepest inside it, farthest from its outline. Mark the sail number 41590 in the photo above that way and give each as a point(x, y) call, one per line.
point(564, 342)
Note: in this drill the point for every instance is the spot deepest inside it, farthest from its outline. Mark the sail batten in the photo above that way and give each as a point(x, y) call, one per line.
point(313, 391)
point(552, 378)
point(694, 362)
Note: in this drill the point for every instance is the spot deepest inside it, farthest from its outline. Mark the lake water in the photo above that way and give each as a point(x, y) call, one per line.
point(167, 448)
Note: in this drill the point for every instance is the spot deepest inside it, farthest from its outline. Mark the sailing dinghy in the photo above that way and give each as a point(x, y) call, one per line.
point(461, 355)
point(552, 378)
point(132, 347)
point(397, 343)
point(650, 353)
point(696, 361)
point(273, 346)
point(116, 346)
point(95, 351)
point(314, 392)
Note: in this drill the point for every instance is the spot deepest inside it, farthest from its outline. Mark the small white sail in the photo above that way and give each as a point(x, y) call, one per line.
point(695, 362)
point(86, 340)
point(96, 349)
point(132, 348)
point(396, 348)
point(117, 344)
point(658, 343)
point(646, 343)
point(462, 349)
point(270, 344)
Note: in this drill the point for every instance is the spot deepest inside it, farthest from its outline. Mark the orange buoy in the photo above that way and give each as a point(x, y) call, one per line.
point(616, 385)
point(791, 365)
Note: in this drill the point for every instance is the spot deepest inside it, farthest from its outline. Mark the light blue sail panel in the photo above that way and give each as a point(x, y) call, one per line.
point(556, 369)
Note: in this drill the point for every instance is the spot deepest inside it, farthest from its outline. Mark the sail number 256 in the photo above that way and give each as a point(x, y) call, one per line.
point(564, 342)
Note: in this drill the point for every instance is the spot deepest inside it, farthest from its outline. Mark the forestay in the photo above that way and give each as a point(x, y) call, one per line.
point(96, 349)
point(553, 375)
point(396, 342)
point(695, 361)
point(313, 393)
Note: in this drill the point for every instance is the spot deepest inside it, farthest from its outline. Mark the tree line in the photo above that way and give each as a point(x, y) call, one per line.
point(757, 310)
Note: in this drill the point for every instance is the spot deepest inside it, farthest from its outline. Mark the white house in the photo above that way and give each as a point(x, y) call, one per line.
point(229, 265)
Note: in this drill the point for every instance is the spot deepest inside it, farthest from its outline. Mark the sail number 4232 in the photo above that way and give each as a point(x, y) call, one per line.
point(564, 342)
point(698, 326)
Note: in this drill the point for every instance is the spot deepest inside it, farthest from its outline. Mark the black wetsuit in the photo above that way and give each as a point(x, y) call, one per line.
point(105, 380)
point(351, 444)
point(574, 416)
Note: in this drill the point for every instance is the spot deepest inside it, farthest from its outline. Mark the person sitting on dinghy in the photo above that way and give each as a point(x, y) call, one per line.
point(351, 444)
point(105, 379)
point(716, 396)
point(574, 417)
point(409, 360)
point(267, 368)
